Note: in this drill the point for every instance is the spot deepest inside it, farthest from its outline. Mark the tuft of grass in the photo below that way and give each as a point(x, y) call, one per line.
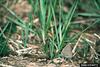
point(55, 24)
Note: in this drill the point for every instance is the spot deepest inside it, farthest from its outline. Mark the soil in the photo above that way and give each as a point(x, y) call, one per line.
point(34, 60)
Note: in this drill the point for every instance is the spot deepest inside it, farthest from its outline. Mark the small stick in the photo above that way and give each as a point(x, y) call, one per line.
point(73, 51)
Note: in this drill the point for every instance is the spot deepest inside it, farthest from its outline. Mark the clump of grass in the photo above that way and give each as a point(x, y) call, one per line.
point(55, 24)
point(54, 36)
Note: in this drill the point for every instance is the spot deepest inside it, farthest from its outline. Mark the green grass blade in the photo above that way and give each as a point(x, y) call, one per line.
point(68, 18)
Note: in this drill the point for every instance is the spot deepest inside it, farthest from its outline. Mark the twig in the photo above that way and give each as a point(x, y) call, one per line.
point(16, 45)
point(24, 51)
point(73, 51)
point(91, 46)
point(97, 35)
point(4, 65)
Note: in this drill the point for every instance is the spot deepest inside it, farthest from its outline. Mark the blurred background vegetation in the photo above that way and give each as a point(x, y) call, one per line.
point(54, 24)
